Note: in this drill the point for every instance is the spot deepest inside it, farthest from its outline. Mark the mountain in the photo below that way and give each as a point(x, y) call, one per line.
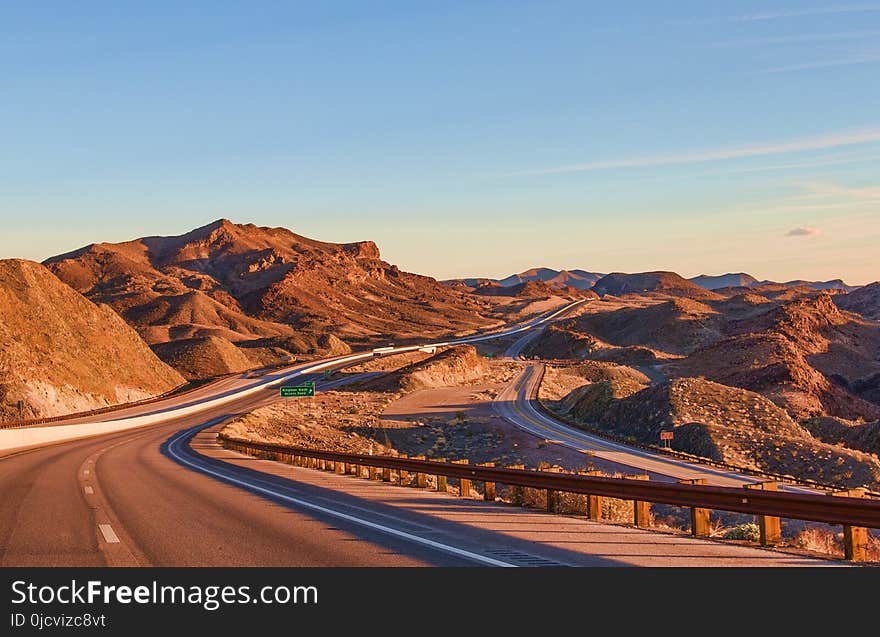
point(60, 353)
point(577, 279)
point(805, 355)
point(531, 290)
point(865, 301)
point(739, 279)
point(668, 283)
point(833, 284)
point(244, 283)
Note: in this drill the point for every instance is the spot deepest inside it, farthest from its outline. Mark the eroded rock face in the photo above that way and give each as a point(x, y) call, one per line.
point(60, 353)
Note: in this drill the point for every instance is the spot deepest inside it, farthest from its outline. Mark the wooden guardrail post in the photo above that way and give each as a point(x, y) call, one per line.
point(386, 474)
point(552, 496)
point(641, 510)
point(464, 488)
point(372, 472)
point(441, 480)
point(594, 502)
point(517, 495)
point(421, 480)
point(855, 538)
point(769, 525)
point(699, 516)
point(402, 474)
point(488, 487)
point(340, 468)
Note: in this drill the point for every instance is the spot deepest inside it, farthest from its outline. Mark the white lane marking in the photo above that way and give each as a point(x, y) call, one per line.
point(109, 534)
point(338, 514)
point(88, 490)
point(86, 472)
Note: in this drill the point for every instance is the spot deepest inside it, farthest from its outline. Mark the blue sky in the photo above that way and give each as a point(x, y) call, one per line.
point(465, 138)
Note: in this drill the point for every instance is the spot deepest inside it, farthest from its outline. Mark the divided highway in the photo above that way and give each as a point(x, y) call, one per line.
point(162, 492)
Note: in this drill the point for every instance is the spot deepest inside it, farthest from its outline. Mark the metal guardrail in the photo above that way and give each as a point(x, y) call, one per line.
point(855, 513)
point(682, 455)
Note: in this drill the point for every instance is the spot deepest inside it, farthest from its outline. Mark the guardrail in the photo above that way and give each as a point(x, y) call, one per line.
point(851, 509)
point(682, 455)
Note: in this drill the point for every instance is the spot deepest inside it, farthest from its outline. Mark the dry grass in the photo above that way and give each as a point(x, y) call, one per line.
point(819, 541)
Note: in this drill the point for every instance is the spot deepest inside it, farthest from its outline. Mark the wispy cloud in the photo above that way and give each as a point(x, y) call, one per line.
point(822, 64)
point(802, 13)
point(803, 231)
point(834, 140)
point(864, 193)
point(805, 38)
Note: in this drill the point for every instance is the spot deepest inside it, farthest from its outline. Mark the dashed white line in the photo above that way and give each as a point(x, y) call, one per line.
point(109, 534)
point(88, 490)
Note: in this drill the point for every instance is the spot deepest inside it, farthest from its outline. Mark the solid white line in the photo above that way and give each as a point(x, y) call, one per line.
point(338, 514)
point(109, 534)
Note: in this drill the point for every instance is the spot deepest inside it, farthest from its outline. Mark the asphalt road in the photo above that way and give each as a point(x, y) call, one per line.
point(166, 494)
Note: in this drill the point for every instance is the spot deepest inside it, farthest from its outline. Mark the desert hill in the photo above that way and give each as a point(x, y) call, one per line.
point(740, 279)
point(805, 355)
point(204, 357)
point(60, 353)
point(453, 366)
point(667, 283)
point(578, 279)
point(723, 423)
point(559, 279)
point(864, 301)
point(244, 283)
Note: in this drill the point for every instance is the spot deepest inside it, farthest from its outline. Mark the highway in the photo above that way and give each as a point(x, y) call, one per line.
point(164, 493)
point(516, 404)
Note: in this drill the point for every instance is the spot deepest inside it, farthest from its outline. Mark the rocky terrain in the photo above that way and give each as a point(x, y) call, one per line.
point(265, 288)
point(204, 357)
point(60, 353)
point(805, 354)
point(356, 417)
point(719, 422)
point(864, 301)
point(456, 365)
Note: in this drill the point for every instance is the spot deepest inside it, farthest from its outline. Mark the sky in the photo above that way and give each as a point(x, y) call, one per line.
point(475, 138)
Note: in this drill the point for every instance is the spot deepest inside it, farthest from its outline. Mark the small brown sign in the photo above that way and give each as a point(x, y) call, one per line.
point(666, 435)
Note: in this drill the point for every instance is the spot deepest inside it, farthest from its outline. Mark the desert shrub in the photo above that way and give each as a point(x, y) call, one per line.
point(748, 531)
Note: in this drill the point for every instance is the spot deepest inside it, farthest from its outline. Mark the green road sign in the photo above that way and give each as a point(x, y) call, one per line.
point(299, 391)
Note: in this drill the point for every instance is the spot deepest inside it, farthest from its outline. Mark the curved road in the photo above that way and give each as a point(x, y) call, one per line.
point(516, 404)
point(167, 494)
